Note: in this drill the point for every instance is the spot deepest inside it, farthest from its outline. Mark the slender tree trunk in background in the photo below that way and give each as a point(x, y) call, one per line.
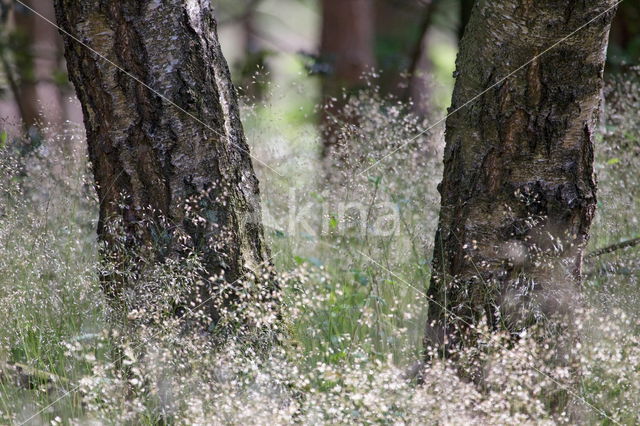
point(398, 33)
point(347, 48)
point(401, 41)
point(22, 81)
point(625, 36)
point(195, 180)
point(419, 65)
point(253, 66)
point(465, 14)
point(38, 97)
point(518, 193)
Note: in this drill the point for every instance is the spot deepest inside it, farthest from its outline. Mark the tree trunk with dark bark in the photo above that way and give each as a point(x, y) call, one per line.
point(346, 47)
point(169, 155)
point(518, 193)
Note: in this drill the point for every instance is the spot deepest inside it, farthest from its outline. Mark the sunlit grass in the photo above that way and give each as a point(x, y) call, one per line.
point(354, 299)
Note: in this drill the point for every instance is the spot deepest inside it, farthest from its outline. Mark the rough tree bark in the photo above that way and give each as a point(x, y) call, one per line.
point(518, 193)
point(178, 183)
point(346, 46)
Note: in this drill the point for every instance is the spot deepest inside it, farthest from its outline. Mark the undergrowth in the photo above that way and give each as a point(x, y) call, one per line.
point(351, 242)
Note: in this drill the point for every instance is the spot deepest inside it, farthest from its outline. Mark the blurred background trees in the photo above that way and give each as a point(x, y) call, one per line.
point(35, 91)
point(345, 57)
point(624, 41)
point(405, 48)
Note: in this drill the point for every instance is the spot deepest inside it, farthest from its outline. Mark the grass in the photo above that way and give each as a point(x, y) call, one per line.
point(355, 304)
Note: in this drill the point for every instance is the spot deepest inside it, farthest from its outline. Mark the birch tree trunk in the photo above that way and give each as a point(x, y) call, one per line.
point(171, 164)
point(518, 193)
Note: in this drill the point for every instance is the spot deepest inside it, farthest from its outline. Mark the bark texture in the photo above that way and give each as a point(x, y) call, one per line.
point(518, 193)
point(346, 47)
point(176, 183)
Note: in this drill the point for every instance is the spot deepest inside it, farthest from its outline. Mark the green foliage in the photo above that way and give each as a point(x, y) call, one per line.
point(354, 303)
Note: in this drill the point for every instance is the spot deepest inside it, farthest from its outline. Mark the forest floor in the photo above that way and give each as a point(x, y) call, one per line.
point(354, 243)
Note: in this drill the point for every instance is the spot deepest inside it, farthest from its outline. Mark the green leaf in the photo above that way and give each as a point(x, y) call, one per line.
point(361, 278)
point(317, 196)
point(3, 139)
point(333, 222)
point(613, 161)
point(375, 180)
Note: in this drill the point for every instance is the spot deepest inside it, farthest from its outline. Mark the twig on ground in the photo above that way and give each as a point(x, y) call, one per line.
point(614, 247)
point(27, 377)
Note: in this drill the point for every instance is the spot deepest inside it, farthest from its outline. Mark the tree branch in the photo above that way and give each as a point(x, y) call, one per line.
point(27, 377)
point(614, 247)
